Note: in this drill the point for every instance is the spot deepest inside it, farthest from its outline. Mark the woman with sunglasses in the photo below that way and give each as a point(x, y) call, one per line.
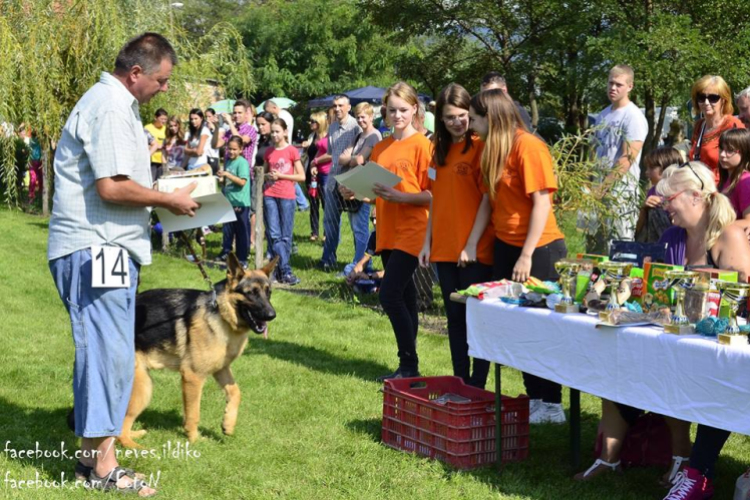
point(704, 234)
point(712, 97)
point(318, 167)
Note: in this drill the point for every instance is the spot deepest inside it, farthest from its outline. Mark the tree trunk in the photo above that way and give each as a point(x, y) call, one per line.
point(257, 196)
point(660, 122)
point(649, 143)
point(533, 105)
point(45, 182)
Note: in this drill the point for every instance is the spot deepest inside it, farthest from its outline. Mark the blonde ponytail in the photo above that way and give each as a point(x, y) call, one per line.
point(720, 215)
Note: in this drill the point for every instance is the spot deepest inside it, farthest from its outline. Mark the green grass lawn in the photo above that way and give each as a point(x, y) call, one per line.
point(309, 425)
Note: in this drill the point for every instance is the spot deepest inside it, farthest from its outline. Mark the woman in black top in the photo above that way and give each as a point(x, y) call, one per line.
point(263, 121)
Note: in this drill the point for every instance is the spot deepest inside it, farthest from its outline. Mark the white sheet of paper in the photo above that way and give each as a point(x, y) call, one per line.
point(362, 179)
point(215, 209)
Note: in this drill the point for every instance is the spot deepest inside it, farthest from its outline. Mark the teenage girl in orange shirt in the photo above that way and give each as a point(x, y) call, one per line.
point(459, 237)
point(402, 221)
point(517, 169)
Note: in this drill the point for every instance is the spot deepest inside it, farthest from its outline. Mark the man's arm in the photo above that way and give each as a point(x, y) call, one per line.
point(630, 151)
point(123, 191)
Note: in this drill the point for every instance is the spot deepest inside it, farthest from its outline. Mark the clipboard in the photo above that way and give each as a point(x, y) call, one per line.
point(362, 179)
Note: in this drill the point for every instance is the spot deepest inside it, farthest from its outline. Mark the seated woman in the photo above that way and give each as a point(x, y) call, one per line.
point(703, 234)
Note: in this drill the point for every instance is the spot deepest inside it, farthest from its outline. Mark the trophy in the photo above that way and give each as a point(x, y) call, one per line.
point(568, 271)
point(614, 273)
point(681, 282)
point(734, 294)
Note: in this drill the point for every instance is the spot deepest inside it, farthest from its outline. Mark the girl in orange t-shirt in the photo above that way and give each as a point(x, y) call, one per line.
point(517, 168)
point(459, 237)
point(402, 221)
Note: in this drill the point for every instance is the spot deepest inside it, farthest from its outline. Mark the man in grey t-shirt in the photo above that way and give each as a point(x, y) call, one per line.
point(102, 194)
point(621, 129)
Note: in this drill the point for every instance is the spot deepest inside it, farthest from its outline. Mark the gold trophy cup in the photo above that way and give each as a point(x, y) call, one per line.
point(568, 271)
point(681, 282)
point(734, 294)
point(614, 273)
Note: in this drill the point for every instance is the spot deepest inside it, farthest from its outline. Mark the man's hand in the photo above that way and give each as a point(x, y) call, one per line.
point(181, 203)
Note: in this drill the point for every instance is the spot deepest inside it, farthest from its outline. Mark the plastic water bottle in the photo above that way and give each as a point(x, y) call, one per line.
point(313, 189)
point(742, 488)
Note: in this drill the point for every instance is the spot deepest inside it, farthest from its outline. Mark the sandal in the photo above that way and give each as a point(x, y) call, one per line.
point(598, 468)
point(678, 463)
point(109, 482)
point(82, 471)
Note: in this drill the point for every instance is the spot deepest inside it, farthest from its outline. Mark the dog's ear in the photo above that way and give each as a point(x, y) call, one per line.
point(270, 266)
point(235, 271)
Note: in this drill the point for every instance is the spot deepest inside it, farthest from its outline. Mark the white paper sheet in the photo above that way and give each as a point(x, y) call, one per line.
point(215, 209)
point(362, 179)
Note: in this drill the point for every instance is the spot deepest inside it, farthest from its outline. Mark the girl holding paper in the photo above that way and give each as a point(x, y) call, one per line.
point(459, 236)
point(517, 170)
point(402, 221)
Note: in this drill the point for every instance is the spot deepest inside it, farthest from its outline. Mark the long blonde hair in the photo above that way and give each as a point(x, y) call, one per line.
point(695, 176)
point(321, 118)
point(503, 121)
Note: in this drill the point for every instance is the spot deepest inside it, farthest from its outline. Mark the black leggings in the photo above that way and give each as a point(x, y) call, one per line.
point(708, 444)
point(398, 297)
point(453, 278)
point(543, 268)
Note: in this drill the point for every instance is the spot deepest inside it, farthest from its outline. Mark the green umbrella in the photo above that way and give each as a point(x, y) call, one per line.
point(282, 102)
point(225, 106)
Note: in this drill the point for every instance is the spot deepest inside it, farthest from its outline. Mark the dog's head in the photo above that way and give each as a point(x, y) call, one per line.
point(250, 293)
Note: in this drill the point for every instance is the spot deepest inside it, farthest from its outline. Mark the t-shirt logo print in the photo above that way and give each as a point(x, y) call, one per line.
point(402, 167)
point(462, 168)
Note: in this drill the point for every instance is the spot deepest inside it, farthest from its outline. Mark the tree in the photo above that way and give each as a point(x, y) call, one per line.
point(311, 48)
point(56, 50)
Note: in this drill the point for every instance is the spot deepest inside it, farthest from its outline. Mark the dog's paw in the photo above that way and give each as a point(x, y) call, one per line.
point(227, 430)
point(193, 436)
point(138, 434)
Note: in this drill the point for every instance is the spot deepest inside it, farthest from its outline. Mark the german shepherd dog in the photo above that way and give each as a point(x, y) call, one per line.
point(185, 331)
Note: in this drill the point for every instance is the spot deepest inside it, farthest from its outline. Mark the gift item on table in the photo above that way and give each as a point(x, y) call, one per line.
point(679, 283)
point(636, 252)
point(624, 317)
point(656, 291)
point(711, 326)
point(598, 259)
point(494, 289)
point(707, 289)
point(636, 284)
point(568, 270)
point(539, 286)
point(734, 295)
point(614, 274)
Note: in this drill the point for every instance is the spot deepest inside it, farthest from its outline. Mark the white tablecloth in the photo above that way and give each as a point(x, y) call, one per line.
point(686, 376)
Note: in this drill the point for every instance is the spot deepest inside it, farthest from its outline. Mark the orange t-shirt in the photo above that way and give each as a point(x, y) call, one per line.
point(456, 194)
point(527, 170)
point(710, 143)
point(402, 226)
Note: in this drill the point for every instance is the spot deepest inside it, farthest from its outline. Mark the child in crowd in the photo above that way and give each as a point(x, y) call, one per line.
point(458, 241)
point(319, 168)
point(653, 220)
point(237, 189)
point(197, 141)
point(283, 169)
point(517, 170)
point(734, 171)
point(173, 150)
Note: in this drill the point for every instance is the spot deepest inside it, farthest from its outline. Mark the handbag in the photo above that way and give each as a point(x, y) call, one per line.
point(647, 443)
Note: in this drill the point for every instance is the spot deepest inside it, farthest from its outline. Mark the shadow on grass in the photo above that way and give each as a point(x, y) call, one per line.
point(317, 359)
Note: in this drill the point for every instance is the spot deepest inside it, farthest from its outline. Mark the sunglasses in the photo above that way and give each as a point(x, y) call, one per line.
point(712, 98)
point(687, 164)
point(667, 201)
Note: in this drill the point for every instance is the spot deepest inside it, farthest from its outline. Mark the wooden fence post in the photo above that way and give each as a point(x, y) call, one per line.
point(257, 197)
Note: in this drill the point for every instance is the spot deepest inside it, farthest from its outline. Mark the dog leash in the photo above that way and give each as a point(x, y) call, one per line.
point(199, 263)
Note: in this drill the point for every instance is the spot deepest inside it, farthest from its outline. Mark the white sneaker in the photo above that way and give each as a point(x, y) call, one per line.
point(548, 413)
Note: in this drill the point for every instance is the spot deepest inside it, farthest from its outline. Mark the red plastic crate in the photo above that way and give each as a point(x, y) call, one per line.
point(461, 434)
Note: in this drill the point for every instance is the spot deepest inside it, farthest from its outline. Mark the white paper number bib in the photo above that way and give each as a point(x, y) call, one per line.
point(110, 267)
